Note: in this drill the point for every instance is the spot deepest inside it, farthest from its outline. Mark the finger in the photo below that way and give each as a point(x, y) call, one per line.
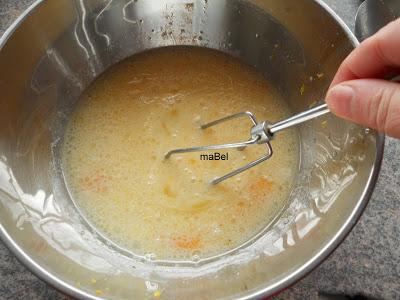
point(370, 102)
point(374, 58)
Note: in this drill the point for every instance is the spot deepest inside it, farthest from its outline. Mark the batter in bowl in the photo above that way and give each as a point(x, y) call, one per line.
point(114, 146)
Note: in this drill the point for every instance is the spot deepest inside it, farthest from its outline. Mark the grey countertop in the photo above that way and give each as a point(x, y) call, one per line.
point(367, 262)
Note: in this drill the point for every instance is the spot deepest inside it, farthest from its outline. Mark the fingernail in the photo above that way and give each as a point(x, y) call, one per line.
point(340, 100)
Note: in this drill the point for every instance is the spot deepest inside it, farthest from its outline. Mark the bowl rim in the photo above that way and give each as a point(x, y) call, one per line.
point(262, 292)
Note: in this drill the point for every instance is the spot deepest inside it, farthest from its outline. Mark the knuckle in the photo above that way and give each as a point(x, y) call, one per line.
point(385, 110)
point(379, 46)
point(392, 122)
point(373, 108)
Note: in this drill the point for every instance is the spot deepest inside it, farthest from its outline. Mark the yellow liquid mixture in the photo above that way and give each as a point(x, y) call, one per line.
point(113, 154)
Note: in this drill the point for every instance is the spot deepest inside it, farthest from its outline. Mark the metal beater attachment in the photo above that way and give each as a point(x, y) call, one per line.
point(260, 133)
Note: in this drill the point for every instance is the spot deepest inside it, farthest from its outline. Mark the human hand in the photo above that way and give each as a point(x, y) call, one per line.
point(359, 92)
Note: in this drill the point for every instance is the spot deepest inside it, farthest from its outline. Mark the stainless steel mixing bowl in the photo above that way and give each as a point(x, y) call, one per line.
point(56, 48)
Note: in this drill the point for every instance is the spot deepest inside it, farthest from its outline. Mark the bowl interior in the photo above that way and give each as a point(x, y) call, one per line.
point(62, 46)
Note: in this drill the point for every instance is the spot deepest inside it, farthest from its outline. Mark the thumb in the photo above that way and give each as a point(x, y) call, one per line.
point(369, 102)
